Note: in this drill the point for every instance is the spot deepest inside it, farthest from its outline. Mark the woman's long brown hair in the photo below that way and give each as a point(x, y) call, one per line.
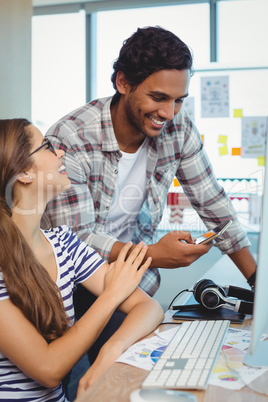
point(29, 285)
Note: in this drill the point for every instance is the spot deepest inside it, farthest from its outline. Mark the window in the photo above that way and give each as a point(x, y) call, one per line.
point(243, 31)
point(184, 20)
point(58, 66)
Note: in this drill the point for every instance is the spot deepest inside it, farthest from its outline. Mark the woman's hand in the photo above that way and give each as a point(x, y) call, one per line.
point(125, 274)
point(103, 362)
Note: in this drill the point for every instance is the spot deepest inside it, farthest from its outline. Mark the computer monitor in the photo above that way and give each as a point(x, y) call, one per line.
point(257, 354)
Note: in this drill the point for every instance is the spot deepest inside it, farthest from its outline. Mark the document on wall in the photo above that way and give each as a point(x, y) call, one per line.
point(215, 96)
point(189, 106)
point(254, 132)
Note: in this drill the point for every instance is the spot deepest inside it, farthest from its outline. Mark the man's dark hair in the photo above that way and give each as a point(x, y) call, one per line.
point(148, 50)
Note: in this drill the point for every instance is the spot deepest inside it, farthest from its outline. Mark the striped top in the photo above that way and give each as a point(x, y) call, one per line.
point(76, 262)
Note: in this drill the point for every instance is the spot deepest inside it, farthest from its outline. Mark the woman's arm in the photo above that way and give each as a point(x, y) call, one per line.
point(49, 363)
point(143, 316)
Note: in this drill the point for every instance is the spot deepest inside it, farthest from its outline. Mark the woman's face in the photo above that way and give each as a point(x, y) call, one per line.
point(47, 172)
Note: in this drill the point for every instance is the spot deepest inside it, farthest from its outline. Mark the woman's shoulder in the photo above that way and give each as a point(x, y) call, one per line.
point(60, 231)
point(65, 241)
point(62, 236)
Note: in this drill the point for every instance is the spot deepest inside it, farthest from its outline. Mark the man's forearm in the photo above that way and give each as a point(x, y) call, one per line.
point(244, 260)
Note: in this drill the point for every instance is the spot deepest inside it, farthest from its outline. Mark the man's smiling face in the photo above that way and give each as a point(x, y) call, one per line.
point(155, 101)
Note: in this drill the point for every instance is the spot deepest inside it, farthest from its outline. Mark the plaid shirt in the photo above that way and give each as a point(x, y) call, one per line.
point(91, 158)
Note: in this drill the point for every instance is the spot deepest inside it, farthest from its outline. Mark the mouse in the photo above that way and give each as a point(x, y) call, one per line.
point(161, 395)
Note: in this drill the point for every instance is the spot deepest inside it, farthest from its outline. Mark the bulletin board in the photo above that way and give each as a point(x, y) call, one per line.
point(230, 109)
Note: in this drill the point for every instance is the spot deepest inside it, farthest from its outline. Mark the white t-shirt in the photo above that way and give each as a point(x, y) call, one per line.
point(130, 194)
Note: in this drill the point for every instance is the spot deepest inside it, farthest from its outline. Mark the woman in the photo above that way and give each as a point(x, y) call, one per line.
point(39, 343)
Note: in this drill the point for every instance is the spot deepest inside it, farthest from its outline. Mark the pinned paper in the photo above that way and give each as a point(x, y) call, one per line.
point(254, 132)
point(223, 140)
point(202, 137)
point(236, 151)
point(215, 96)
point(261, 161)
point(188, 104)
point(176, 182)
point(238, 112)
point(223, 150)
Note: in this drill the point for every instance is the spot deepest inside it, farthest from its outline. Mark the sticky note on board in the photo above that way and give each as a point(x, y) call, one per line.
point(176, 182)
point(238, 112)
point(202, 137)
point(236, 151)
point(222, 139)
point(261, 161)
point(223, 150)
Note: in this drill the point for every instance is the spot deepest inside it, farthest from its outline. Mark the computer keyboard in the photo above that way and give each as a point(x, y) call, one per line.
point(190, 356)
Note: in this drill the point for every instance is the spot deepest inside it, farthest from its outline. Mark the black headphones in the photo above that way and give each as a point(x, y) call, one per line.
point(213, 296)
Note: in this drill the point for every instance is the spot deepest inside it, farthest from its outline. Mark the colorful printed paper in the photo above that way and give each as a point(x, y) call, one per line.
point(254, 131)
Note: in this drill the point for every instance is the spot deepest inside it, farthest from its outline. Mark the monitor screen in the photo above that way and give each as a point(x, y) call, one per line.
point(258, 352)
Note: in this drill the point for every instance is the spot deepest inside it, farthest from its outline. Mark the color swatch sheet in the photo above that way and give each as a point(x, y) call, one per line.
point(229, 371)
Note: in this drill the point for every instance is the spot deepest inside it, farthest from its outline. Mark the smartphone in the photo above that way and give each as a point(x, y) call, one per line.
point(212, 234)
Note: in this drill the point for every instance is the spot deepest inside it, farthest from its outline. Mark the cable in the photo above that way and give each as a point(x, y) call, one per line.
point(185, 290)
point(250, 387)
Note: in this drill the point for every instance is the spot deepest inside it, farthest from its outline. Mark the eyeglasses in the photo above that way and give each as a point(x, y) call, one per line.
point(49, 146)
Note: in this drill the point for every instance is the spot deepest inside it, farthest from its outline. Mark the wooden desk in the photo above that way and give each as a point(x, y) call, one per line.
point(121, 379)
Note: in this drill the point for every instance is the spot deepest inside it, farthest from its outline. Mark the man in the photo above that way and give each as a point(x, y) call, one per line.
point(122, 153)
